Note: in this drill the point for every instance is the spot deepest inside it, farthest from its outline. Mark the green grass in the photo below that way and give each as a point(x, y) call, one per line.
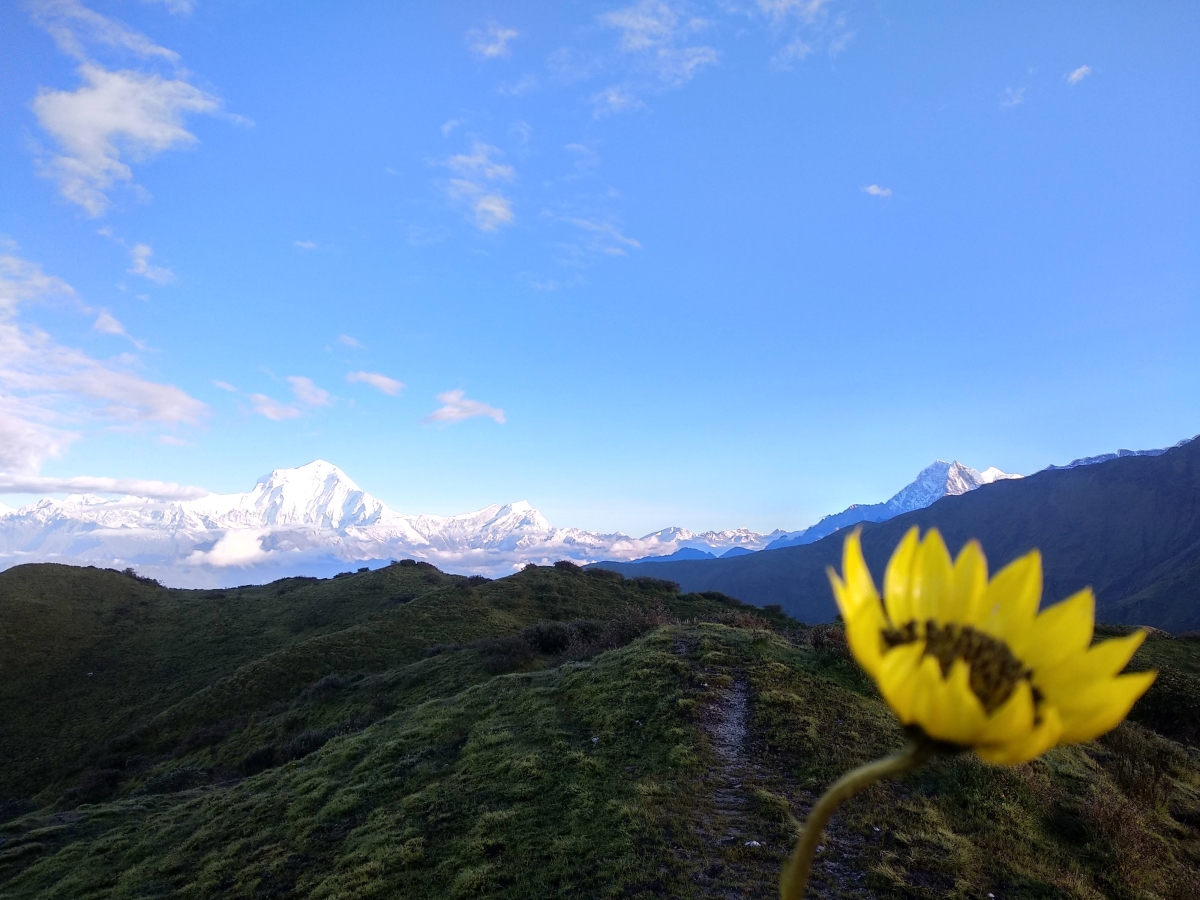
point(404, 733)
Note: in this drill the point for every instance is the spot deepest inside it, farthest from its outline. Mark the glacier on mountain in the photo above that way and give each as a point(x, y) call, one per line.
point(941, 479)
point(310, 520)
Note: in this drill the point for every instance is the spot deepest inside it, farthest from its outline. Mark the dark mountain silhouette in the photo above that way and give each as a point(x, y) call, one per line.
point(1130, 527)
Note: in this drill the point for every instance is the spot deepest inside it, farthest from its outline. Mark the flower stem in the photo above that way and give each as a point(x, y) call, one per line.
point(799, 867)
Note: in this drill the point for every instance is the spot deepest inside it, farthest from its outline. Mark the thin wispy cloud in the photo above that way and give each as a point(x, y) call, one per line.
point(140, 257)
point(346, 341)
point(518, 88)
point(389, 386)
point(1012, 97)
point(614, 100)
point(658, 37)
point(51, 394)
point(876, 191)
point(83, 484)
point(457, 407)
point(305, 245)
point(175, 7)
point(107, 323)
point(307, 392)
point(605, 237)
point(491, 42)
point(272, 409)
point(115, 115)
point(226, 386)
point(476, 181)
point(1077, 75)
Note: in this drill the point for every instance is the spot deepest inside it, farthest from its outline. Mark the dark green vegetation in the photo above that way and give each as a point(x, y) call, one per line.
point(405, 733)
point(1129, 527)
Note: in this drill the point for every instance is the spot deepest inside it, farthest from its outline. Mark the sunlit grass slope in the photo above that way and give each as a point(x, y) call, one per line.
point(404, 733)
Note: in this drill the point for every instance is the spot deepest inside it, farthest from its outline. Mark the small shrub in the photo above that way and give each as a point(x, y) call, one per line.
point(96, 785)
point(175, 780)
point(324, 687)
point(549, 638)
point(303, 744)
point(258, 760)
point(604, 574)
point(506, 654)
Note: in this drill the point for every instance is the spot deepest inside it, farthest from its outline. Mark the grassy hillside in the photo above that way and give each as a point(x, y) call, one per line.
point(1129, 527)
point(403, 733)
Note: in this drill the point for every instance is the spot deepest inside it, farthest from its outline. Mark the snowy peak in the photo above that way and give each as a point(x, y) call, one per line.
point(317, 495)
point(941, 479)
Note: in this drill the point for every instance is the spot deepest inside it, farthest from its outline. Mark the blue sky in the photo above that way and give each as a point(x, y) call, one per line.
point(708, 264)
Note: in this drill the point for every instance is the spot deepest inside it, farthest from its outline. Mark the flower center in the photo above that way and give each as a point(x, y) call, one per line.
point(995, 670)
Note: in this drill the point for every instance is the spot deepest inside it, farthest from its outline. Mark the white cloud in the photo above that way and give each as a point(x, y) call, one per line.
point(1012, 97)
point(805, 10)
point(272, 408)
point(456, 407)
point(114, 113)
point(346, 341)
point(659, 34)
point(381, 382)
point(73, 26)
point(171, 441)
point(85, 484)
point(116, 116)
point(449, 126)
point(106, 323)
point(307, 392)
point(605, 237)
point(491, 42)
point(518, 88)
point(876, 191)
point(475, 185)
point(236, 547)
point(141, 254)
point(644, 26)
point(1077, 75)
point(678, 67)
point(176, 7)
point(305, 245)
point(225, 386)
point(614, 100)
point(49, 392)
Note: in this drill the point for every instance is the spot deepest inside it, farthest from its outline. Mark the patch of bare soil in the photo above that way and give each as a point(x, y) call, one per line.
point(739, 844)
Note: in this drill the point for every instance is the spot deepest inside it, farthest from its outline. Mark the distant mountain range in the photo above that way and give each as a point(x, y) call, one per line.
point(311, 520)
point(1129, 525)
point(314, 520)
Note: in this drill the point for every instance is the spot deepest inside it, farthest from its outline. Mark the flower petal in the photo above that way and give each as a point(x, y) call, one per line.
point(1064, 682)
point(864, 624)
point(1113, 700)
point(854, 568)
point(931, 574)
point(945, 708)
point(968, 584)
point(1013, 719)
point(1063, 630)
point(1030, 746)
point(897, 678)
point(1012, 597)
point(897, 580)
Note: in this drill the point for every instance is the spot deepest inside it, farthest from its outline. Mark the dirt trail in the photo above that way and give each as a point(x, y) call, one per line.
point(741, 859)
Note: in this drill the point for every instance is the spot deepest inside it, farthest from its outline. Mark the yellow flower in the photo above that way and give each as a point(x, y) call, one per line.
point(972, 662)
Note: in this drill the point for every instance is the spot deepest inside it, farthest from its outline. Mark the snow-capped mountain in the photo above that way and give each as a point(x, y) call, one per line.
point(941, 479)
point(310, 520)
point(1120, 454)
